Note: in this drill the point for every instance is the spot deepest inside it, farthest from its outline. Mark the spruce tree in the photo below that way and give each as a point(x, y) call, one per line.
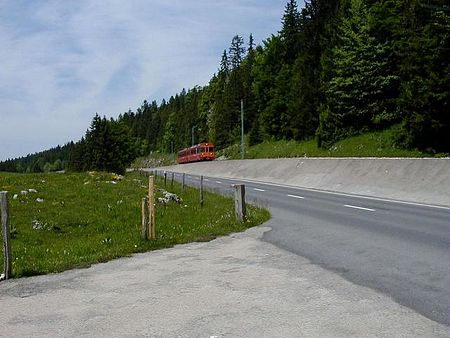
point(236, 51)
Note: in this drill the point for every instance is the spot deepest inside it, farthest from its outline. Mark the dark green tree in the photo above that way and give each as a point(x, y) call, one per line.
point(361, 89)
point(236, 52)
point(424, 52)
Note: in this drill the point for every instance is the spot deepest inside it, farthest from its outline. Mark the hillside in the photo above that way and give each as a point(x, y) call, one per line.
point(335, 70)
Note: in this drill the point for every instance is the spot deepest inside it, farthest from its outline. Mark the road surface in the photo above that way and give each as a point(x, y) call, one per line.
point(398, 248)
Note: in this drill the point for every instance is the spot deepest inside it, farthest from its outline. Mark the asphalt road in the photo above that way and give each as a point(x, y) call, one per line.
point(398, 248)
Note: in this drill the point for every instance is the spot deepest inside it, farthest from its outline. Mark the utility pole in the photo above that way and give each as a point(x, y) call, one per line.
point(242, 130)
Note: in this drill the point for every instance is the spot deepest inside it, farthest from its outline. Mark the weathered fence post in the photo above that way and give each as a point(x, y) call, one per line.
point(165, 178)
point(151, 231)
point(201, 190)
point(239, 202)
point(7, 257)
point(182, 184)
point(171, 183)
point(145, 219)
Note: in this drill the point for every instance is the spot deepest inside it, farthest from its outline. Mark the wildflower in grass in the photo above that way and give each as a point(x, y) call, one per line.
point(107, 240)
point(38, 225)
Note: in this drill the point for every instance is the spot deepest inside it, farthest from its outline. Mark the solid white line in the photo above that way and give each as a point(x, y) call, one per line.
point(295, 196)
point(218, 182)
point(360, 208)
point(256, 189)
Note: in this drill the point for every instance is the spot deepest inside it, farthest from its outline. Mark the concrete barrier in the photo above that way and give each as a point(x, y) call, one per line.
point(408, 179)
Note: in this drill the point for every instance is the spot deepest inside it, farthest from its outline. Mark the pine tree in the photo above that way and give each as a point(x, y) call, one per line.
point(425, 71)
point(290, 30)
point(224, 70)
point(361, 89)
point(236, 51)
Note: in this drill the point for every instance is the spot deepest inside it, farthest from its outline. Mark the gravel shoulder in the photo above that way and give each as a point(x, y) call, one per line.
point(235, 286)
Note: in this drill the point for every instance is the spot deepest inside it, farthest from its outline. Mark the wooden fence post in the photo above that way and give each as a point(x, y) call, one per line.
point(7, 257)
point(171, 184)
point(201, 190)
point(151, 231)
point(239, 202)
point(145, 219)
point(182, 184)
point(165, 179)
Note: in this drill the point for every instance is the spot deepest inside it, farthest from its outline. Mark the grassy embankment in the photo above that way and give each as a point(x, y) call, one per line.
point(374, 144)
point(156, 159)
point(86, 218)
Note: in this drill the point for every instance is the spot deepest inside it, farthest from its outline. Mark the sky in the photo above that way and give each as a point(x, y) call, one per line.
point(61, 62)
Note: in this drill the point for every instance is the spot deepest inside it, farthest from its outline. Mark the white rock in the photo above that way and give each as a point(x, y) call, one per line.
point(15, 196)
point(32, 190)
point(39, 200)
point(24, 192)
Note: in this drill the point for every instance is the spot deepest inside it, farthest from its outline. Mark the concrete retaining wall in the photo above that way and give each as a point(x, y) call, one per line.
point(407, 179)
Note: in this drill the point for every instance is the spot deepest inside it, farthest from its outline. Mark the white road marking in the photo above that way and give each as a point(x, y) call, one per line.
point(295, 196)
point(360, 208)
point(348, 194)
point(218, 182)
point(206, 179)
point(256, 189)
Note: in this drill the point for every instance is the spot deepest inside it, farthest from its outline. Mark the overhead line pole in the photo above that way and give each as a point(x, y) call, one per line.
point(242, 130)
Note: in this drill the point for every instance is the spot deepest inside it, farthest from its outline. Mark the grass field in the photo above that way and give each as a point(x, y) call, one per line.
point(74, 220)
point(373, 144)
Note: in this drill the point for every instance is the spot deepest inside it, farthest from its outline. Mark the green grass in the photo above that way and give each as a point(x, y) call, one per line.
point(373, 144)
point(85, 219)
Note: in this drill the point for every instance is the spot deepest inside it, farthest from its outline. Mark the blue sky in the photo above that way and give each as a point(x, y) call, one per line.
point(63, 61)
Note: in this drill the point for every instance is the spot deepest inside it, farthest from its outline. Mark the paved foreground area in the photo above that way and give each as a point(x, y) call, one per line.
point(237, 286)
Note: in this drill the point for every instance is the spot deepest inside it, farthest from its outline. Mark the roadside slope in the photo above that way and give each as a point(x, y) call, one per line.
point(408, 179)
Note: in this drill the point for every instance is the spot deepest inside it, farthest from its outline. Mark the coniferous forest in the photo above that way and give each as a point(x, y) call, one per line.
point(337, 68)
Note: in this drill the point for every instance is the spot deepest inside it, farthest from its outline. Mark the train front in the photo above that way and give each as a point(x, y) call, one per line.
point(207, 152)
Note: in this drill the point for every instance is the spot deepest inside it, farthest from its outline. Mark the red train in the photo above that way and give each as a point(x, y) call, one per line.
point(199, 152)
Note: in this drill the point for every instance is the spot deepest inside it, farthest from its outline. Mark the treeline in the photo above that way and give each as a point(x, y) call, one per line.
point(336, 68)
point(54, 159)
point(107, 146)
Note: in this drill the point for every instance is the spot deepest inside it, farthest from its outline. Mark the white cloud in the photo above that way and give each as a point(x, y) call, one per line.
point(64, 61)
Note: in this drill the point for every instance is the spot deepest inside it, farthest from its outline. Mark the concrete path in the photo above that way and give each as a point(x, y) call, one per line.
point(237, 286)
